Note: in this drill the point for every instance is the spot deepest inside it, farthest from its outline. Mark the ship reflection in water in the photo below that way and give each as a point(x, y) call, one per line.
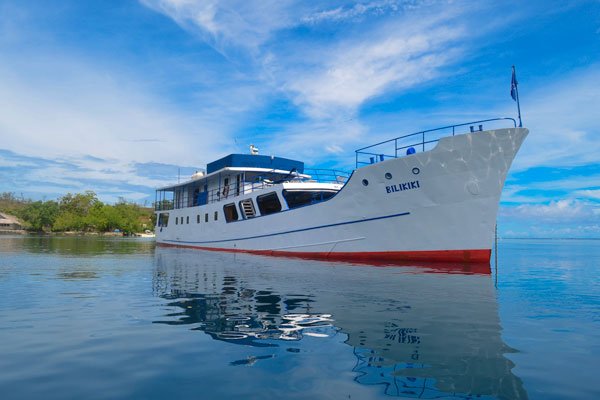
point(416, 333)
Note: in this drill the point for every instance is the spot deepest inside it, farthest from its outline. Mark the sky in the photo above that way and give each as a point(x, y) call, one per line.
point(122, 96)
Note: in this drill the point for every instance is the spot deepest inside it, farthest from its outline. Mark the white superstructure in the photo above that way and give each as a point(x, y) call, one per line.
point(431, 200)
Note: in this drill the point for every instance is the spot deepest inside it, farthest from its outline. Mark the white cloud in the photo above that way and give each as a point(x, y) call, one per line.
point(561, 116)
point(579, 187)
point(557, 211)
point(355, 11)
point(324, 78)
point(400, 45)
point(589, 193)
point(83, 111)
point(358, 70)
point(238, 23)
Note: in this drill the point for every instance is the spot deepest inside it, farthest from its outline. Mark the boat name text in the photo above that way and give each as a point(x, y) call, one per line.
point(403, 186)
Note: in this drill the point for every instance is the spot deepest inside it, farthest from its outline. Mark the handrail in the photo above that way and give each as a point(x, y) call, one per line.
point(421, 143)
point(231, 191)
point(327, 175)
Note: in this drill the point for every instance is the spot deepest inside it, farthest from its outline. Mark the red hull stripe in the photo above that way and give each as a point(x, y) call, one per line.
point(392, 257)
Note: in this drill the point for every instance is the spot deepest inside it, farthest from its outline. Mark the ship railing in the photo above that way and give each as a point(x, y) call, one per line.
point(421, 141)
point(164, 205)
point(327, 175)
point(231, 191)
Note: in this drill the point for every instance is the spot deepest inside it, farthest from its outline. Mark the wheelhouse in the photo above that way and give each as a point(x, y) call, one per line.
point(244, 186)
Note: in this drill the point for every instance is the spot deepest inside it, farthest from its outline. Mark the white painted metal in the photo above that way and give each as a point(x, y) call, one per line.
point(449, 202)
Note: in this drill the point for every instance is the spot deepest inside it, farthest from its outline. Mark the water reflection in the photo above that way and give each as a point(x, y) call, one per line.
point(75, 275)
point(75, 245)
point(415, 334)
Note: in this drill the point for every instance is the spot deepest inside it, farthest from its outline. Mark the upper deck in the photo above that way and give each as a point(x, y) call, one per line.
point(241, 174)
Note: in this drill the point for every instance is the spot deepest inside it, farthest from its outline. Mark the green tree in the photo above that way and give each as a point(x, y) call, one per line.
point(11, 204)
point(39, 215)
point(78, 212)
point(67, 221)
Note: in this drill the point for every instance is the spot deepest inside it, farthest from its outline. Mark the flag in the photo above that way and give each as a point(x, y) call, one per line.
point(513, 85)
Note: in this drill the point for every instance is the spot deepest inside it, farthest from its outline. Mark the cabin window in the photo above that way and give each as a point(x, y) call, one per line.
point(198, 218)
point(206, 217)
point(176, 220)
point(268, 203)
point(230, 212)
point(187, 219)
point(163, 219)
point(299, 198)
point(216, 215)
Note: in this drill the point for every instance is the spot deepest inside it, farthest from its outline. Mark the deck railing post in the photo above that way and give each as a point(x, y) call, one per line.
point(396, 148)
point(423, 141)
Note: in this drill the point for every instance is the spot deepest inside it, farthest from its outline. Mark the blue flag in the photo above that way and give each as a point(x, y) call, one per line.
point(513, 85)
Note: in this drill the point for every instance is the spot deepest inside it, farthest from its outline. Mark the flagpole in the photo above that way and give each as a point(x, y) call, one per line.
point(517, 93)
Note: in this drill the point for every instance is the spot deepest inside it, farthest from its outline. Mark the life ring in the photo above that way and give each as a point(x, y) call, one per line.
point(225, 191)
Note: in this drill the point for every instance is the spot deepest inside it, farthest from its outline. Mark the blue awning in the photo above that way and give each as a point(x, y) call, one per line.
point(255, 161)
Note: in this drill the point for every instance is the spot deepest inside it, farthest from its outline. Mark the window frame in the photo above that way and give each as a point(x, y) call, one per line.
point(235, 216)
point(268, 211)
point(313, 193)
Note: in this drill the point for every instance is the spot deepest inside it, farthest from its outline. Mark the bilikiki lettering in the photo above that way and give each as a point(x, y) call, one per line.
point(400, 187)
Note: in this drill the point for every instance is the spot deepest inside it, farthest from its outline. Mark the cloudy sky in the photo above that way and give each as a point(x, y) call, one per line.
point(116, 96)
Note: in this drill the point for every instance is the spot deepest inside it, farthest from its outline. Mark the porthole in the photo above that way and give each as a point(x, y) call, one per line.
point(365, 182)
point(416, 171)
point(388, 175)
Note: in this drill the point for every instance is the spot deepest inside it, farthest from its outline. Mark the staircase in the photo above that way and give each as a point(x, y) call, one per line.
point(248, 208)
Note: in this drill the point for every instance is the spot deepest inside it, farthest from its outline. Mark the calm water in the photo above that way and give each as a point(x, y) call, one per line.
point(117, 318)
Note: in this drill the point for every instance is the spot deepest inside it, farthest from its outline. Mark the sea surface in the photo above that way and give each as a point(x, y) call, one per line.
point(116, 318)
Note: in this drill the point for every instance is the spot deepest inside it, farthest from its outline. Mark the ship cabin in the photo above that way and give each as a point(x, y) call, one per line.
point(243, 186)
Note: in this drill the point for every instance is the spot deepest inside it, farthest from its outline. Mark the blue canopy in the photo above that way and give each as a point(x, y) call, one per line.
point(255, 161)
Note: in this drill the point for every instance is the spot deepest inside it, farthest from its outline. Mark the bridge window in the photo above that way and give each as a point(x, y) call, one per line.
point(187, 219)
point(198, 218)
point(299, 198)
point(268, 203)
point(206, 217)
point(230, 212)
point(216, 215)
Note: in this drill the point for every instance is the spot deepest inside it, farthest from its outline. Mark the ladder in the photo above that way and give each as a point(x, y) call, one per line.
point(248, 208)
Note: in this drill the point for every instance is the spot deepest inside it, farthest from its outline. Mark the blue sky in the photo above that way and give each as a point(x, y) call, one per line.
point(115, 96)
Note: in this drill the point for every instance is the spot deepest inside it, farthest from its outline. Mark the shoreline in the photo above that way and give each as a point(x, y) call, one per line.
point(74, 233)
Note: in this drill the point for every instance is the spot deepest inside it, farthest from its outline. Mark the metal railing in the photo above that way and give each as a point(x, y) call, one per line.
point(327, 175)
point(415, 142)
point(227, 192)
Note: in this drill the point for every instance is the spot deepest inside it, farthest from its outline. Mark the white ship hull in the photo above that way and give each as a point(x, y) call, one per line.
point(438, 205)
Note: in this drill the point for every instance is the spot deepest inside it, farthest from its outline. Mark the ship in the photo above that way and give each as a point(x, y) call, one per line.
point(429, 196)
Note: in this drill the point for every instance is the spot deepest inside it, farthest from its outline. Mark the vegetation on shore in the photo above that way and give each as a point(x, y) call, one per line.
point(81, 212)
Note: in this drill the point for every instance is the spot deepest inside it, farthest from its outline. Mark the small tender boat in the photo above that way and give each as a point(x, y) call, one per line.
point(428, 196)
